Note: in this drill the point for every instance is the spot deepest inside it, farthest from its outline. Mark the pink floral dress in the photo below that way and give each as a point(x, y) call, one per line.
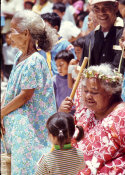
point(103, 145)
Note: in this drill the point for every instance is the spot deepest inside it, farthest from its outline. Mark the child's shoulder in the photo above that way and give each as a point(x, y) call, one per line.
point(54, 78)
point(43, 158)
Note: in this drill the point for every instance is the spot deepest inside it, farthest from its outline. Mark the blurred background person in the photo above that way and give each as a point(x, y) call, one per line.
point(9, 54)
point(92, 22)
point(62, 44)
point(28, 4)
point(43, 6)
point(9, 8)
point(80, 19)
point(85, 22)
point(121, 8)
point(67, 29)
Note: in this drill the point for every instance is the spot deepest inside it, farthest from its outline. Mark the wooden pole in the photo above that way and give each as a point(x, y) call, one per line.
point(120, 62)
point(78, 77)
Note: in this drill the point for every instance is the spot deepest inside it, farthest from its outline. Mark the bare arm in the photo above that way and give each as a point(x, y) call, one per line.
point(18, 101)
point(3, 99)
point(70, 69)
point(70, 81)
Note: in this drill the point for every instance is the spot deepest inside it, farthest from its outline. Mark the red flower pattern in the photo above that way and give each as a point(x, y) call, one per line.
point(103, 145)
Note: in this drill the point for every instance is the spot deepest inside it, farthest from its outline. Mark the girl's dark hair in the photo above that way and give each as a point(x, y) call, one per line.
point(62, 126)
point(81, 16)
point(79, 42)
point(65, 55)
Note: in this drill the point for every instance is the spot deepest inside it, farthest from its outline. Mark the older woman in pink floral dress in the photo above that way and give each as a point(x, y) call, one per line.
point(103, 120)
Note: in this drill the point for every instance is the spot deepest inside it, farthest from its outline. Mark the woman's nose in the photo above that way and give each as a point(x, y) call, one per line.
point(88, 95)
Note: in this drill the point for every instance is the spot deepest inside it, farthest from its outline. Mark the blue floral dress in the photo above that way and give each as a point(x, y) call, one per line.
point(26, 136)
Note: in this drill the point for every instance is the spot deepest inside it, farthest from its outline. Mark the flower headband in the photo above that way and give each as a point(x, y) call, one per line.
point(116, 78)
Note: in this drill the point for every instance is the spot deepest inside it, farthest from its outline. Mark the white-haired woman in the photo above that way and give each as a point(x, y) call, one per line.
point(103, 121)
point(29, 99)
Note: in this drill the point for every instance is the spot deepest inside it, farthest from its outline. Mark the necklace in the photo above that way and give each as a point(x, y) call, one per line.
point(66, 146)
point(23, 57)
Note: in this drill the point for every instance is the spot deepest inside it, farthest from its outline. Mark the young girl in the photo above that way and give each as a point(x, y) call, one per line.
point(65, 159)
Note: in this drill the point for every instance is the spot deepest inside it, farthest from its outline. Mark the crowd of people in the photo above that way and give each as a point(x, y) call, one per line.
point(44, 44)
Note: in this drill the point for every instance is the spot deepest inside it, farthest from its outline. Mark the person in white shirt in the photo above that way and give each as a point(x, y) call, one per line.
point(67, 29)
point(42, 7)
point(9, 8)
point(9, 53)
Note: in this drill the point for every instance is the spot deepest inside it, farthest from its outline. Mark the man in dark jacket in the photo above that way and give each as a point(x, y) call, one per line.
point(102, 44)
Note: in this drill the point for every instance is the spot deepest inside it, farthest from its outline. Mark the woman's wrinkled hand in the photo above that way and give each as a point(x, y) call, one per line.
point(2, 128)
point(66, 105)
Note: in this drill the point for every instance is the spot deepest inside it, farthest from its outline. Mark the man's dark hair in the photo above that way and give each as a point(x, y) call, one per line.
point(59, 6)
point(52, 18)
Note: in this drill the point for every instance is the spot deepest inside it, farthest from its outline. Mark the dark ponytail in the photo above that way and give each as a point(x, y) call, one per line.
point(62, 137)
point(57, 125)
point(80, 134)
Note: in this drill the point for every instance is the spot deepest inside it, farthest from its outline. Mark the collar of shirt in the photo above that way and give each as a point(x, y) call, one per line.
point(118, 23)
point(66, 146)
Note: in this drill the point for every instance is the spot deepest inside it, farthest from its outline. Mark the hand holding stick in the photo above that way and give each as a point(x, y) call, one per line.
point(78, 77)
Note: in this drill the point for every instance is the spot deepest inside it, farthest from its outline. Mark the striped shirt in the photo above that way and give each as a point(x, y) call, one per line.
point(61, 162)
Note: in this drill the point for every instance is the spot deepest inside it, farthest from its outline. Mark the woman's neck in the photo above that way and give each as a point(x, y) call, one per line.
point(29, 49)
point(26, 54)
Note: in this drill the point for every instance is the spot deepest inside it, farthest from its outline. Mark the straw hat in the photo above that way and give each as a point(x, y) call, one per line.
point(98, 1)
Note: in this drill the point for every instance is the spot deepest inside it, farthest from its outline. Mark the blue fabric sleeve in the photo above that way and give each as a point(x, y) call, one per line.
point(32, 76)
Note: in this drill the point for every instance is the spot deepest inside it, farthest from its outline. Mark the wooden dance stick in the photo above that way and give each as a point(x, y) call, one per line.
point(119, 67)
point(78, 77)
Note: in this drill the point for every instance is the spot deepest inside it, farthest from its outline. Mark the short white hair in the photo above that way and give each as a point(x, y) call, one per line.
point(111, 87)
point(43, 33)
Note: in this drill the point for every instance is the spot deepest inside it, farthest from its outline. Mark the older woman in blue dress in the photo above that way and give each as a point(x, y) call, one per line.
point(29, 99)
